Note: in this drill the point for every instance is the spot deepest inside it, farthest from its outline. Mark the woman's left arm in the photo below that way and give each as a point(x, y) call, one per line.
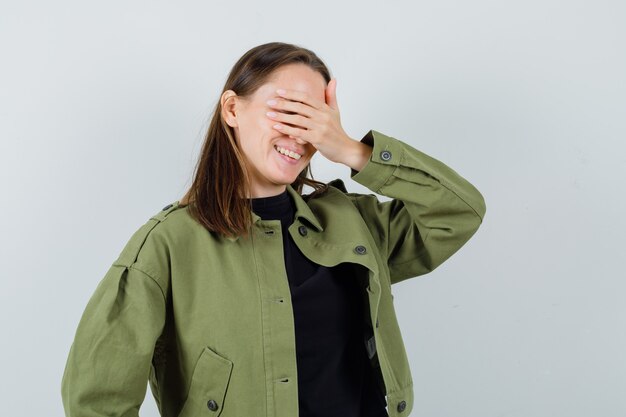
point(434, 210)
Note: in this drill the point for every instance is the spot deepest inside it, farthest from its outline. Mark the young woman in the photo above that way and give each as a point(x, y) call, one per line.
point(246, 297)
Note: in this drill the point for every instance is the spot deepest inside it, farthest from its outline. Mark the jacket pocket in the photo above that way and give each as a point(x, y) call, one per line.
point(209, 385)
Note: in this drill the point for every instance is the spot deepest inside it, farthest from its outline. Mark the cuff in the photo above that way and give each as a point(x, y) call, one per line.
point(385, 158)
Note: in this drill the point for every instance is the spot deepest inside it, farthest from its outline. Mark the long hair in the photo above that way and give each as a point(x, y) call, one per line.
point(216, 197)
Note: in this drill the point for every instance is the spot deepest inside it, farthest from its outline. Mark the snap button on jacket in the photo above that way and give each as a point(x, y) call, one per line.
point(206, 321)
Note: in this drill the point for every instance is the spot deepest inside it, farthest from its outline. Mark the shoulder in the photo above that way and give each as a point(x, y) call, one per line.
point(337, 200)
point(338, 184)
point(148, 248)
point(338, 188)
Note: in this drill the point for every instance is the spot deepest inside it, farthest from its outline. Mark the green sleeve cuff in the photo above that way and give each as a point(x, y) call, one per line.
point(384, 160)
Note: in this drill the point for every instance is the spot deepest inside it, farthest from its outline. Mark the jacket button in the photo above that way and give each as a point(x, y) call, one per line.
point(385, 155)
point(166, 207)
point(360, 249)
point(302, 230)
point(212, 405)
point(401, 405)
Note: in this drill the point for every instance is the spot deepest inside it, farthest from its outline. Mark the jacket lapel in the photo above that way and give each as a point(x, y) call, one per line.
point(338, 232)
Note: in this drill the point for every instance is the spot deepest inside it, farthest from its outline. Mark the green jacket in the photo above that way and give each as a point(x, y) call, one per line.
point(207, 321)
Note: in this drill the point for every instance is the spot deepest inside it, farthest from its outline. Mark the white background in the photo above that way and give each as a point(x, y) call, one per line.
point(103, 107)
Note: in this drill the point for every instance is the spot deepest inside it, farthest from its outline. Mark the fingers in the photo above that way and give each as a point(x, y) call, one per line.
point(291, 119)
point(290, 106)
point(301, 96)
point(293, 132)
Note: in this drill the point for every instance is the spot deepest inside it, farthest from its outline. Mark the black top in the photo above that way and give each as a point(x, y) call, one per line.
point(334, 373)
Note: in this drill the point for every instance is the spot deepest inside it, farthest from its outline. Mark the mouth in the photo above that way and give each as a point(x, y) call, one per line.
point(287, 153)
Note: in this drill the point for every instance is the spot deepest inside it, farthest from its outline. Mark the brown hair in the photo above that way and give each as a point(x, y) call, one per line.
point(216, 196)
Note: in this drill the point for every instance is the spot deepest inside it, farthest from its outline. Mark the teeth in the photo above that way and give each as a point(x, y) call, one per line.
point(287, 152)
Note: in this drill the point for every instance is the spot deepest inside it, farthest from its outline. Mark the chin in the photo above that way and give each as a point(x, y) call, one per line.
point(285, 181)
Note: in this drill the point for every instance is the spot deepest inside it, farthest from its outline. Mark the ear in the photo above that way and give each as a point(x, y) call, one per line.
point(229, 103)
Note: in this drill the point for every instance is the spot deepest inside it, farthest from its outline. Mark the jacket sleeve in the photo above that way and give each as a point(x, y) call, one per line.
point(109, 361)
point(433, 212)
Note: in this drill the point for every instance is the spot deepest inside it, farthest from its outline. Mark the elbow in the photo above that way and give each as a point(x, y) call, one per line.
point(479, 206)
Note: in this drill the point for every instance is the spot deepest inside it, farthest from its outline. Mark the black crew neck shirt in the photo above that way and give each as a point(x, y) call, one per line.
point(334, 373)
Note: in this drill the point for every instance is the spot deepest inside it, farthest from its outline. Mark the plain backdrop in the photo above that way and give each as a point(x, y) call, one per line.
point(103, 107)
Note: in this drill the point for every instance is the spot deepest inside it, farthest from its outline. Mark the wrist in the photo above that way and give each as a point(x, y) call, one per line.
point(358, 155)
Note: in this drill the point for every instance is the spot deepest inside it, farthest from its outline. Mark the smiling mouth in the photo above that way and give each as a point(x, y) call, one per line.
point(286, 152)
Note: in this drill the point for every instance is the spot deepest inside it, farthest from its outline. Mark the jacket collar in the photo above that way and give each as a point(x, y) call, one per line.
point(302, 211)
